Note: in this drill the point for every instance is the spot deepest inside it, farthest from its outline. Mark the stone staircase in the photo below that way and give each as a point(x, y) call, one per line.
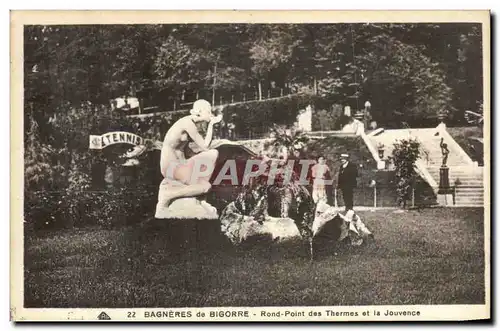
point(469, 189)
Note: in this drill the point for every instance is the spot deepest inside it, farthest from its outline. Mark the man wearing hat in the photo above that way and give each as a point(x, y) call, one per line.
point(348, 174)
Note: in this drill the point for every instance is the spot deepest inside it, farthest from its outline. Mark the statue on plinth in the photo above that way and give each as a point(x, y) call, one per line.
point(444, 180)
point(187, 179)
point(444, 151)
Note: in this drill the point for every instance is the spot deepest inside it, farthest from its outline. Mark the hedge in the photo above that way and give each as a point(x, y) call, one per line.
point(46, 210)
point(256, 117)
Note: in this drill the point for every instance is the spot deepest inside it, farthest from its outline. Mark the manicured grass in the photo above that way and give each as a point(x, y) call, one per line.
point(431, 256)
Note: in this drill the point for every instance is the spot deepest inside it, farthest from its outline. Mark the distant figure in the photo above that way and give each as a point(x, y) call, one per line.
point(125, 103)
point(304, 120)
point(319, 172)
point(347, 111)
point(347, 180)
point(445, 151)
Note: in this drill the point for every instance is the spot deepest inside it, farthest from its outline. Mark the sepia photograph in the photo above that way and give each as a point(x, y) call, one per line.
point(237, 167)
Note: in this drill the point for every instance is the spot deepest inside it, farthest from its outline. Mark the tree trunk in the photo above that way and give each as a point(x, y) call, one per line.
point(260, 90)
point(315, 86)
point(215, 80)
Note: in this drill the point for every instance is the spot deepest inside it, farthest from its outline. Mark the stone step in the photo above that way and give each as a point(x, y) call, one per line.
point(464, 177)
point(469, 203)
point(437, 160)
point(469, 183)
point(467, 179)
point(438, 164)
point(463, 181)
point(472, 197)
point(463, 168)
point(470, 194)
point(461, 188)
point(460, 175)
point(470, 188)
point(456, 173)
point(477, 198)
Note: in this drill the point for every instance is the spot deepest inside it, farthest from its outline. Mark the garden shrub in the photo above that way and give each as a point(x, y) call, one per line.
point(404, 155)
point(256, 117)
point(110, 208)
point(328, 119)
point(46, 210)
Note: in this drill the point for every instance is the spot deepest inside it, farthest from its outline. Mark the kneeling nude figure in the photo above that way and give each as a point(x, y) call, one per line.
point(187, 177)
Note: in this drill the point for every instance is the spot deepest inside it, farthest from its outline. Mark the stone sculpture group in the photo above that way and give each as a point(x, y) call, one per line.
point(281, 209)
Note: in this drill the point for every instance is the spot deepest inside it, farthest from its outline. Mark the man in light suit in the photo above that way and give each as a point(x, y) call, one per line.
point(347, 180)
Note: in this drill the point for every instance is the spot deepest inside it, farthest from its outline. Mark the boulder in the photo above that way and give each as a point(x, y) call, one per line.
point(191, 208)
point(239, 228)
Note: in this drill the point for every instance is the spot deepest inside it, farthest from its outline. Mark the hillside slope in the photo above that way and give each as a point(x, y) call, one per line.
point(465, 137)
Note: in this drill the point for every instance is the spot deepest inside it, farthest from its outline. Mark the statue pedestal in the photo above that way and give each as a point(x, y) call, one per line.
point(186, 208)
point(444, 180)
point(380, 165)
point(445, 197)
point(182, 208)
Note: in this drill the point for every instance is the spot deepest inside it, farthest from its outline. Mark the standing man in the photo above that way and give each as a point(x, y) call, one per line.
point(348, 174)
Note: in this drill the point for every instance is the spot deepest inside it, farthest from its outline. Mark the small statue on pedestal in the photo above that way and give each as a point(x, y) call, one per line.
point(444, 181)
point(445, 151)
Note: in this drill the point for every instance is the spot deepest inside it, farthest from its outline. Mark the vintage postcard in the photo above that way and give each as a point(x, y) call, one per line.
point(250, 166)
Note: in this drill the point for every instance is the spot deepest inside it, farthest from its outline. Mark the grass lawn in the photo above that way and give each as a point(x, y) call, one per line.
point(431, 256)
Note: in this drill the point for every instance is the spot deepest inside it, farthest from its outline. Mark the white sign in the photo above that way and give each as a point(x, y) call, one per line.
point(119, 137)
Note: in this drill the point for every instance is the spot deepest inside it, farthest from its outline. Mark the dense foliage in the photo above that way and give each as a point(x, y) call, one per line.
point(60, 176)
point(412, 70)
point(255, 119)
point(404, 155)
point(409, 73)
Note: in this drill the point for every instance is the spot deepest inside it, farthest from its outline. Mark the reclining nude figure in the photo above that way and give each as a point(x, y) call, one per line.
point(185, 178)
